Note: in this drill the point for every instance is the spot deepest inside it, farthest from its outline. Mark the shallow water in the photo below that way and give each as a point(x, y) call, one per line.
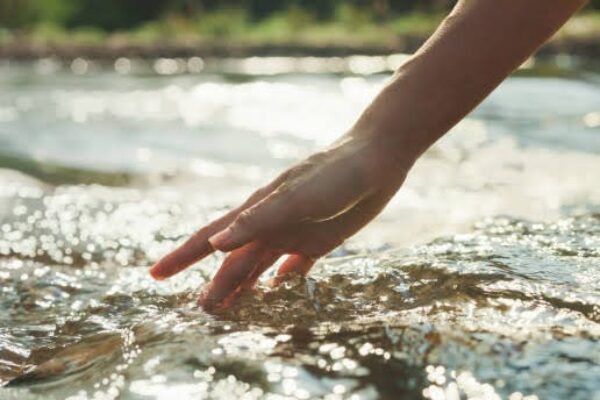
point(480, 280)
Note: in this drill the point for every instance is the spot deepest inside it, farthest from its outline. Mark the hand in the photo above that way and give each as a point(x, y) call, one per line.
point(306, 212)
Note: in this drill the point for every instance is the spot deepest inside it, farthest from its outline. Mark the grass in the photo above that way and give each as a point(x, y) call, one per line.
point(50, 33)
point(349, 26)
point(583, 25)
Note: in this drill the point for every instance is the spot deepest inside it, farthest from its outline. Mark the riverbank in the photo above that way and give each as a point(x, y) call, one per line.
point(586, 47)
point(29, 50)
point(176, 39)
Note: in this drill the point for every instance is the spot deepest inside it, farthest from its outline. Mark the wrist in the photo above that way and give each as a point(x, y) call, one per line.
point(412, 111)
point(391, 127)
point(383, 151)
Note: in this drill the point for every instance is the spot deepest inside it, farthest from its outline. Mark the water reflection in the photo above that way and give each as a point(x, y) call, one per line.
point(479, 281)
point(494, 313)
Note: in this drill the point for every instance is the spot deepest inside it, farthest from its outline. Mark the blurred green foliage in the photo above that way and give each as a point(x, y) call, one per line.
point(251, 20)
point(111, 15)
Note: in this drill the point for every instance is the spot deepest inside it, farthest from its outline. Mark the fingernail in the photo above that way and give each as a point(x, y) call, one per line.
point(155, 273)
point(206, 301)
point(221, 239)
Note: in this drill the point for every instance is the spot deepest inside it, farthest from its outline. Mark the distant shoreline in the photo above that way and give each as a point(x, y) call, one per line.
point(24, 50)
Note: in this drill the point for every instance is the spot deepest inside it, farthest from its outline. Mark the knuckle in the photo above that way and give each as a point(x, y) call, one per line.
point(283, 190)
point(286, 194)
point(289, 173)
point(305, 166)
point(259, 194)
point(246, 219)
point(317, 158)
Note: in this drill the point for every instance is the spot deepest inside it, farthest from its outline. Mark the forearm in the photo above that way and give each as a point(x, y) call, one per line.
point(478, 45)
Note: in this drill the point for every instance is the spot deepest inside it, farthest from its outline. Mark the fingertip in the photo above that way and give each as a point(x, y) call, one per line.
point(156, 273)
point(295, 264)
point(205, 301)
point(274, 282)
point(209, 301)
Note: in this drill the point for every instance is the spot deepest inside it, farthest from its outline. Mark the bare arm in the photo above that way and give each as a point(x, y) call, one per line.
point(476, 47)
point(315, 205)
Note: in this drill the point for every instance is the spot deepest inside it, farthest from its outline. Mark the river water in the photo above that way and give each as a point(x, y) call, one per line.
point(480, 280)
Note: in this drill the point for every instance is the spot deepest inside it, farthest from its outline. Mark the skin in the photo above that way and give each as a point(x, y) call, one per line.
point(311, 208)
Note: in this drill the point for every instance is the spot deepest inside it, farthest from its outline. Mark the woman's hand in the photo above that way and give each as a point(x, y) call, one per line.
point(313, 207)
point(305, 213)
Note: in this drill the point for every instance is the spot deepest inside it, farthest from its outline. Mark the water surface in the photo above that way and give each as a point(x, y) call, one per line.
point(481, 280)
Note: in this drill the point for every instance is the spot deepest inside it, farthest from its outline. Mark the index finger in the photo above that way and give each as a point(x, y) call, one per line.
point(197, 247)
point(194, 249)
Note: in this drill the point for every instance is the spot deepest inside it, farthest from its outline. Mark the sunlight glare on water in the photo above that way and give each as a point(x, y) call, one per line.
point(479, 281)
